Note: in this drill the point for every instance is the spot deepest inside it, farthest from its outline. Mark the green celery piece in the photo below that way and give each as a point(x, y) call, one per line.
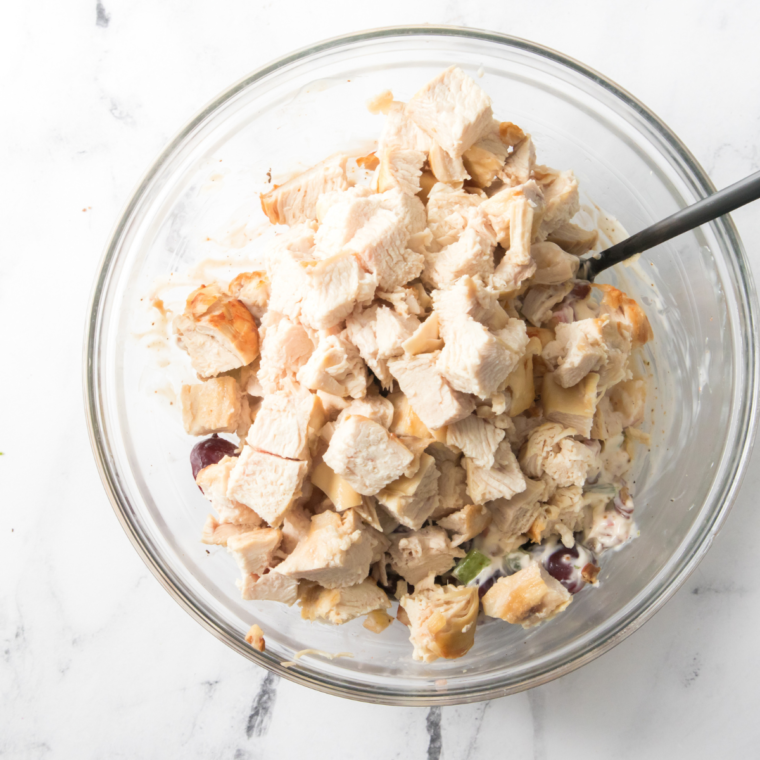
point(470, 566)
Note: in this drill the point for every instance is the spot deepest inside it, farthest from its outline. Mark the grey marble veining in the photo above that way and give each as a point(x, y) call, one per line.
point(96, 661)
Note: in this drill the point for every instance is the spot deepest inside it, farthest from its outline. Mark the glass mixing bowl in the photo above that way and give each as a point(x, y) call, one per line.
point(198, 203)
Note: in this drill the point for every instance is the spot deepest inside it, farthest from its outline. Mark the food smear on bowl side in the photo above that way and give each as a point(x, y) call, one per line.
point(430, 408)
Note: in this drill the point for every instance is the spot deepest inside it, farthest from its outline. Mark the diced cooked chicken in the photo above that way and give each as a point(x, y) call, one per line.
point(255, 637)
point(563, 514)
point(470, 297)
point(252, 290)
point(335, 367)
point(484, 160)
point(422, 553)
point(442, 621)
point(405, 420)
point(321, 293)
point(452, 486)
point(520, 382)
point(287, 423)
point(561, 200)
point(445, 167)
point(447, 212)
point(266, 483)
point(400, 131)
point(541, 299)
point(273, 586)
point(214, 482)
point(573, 407)
point(336, 553)
point(477, 360)
point(216, 533)
point(476, 438)
point(503, 480)
point(211, 407)
point(425, 339)
point(366, 455)
point(431, 396)
point(524, 204)
point(573, 239)
point(217, 332)
point(339, 605)
point(296, 523)
point(453, 110)
point(607, 421)
point(519, 166)
point(553, 265)
point(471, 255)
point(400, 170)
point(515, 516)
point(336, 488)
point(296, 200)
point(376, 408)
point(411, 500)
point(551, 449)
point(377, 228)
point(589, 345)
point(625, 312)
point(286, 347)
point(408, 300)
point(527, 598)
point(467, 523)
point(254, 551)
point(629, 401)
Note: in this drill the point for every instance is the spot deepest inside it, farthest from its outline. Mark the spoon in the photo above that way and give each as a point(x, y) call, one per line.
point(686, 219)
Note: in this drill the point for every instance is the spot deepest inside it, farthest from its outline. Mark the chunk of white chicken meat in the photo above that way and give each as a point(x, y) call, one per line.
point(588, 345)
point(484, 159)
point(254, 551)
point(287, 423)
point(552, 449)
point(553, 265)
point(269, 587)
point(453, 110)
point(477, 360)
point(252, 290)
point(445, 167)
point(377, 228)
point(425, 339)
point(320, 293)
point(217, 331)
point(214, 482)
point(466, 523)
point(376, 408)
point(561, 202)
point(337, 552)
point(502, 481)
point(527, 598)
point(448, 212)
point(216, 533)
point(518, 168)
point(366, 455)
point(335, 367)
point(421, 554)
point(573, 238)
point(296, 200)
point(286, 347)
point(400, 131)
point(452, 485)
point(470, 297)
point(572, 407)
point(400, 170)
point(471, 255)
point(412, 500)
point(476, 438)
point(266, 483)
point(563, 515)
point(514, 517)
point(430, 394)
point(379, 333)
point(339, 605)
point(215, 406)
point(539, 301)
point(442, 621)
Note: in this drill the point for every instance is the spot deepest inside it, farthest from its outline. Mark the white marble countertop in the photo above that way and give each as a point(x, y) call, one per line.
point(96, 660)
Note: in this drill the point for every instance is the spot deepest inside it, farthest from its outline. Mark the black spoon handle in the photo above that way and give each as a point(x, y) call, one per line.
point(686, 219)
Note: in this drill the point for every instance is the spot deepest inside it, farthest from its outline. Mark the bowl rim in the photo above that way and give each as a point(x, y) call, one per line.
point(699, 182)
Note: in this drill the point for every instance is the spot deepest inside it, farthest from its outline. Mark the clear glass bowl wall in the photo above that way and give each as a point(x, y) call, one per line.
point(695, 290)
